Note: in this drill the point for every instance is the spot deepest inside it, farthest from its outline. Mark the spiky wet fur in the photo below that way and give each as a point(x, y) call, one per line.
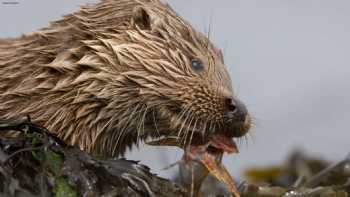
point(114, 73)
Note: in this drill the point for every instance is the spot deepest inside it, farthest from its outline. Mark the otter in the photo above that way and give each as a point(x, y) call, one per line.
point(118, 72)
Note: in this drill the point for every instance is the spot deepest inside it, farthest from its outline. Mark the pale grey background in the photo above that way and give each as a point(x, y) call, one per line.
point(289, 61)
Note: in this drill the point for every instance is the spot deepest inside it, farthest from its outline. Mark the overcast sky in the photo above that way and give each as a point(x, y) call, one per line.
point(289, 62)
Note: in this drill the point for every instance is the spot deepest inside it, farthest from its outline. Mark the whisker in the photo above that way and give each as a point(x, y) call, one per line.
point(203, 129)
point(183, 111)
point(155, 123)
point(193, 130)
point(184, 122)
point(187, 130)
point(139, 120)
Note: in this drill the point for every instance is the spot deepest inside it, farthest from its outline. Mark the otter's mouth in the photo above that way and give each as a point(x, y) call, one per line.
point(217, 145)
point(221, 144)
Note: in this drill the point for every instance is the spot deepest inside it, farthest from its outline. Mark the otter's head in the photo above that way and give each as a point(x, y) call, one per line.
point(178, 78)
point(134, 69)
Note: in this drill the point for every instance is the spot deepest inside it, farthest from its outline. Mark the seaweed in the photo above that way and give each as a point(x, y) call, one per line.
point(39, 164)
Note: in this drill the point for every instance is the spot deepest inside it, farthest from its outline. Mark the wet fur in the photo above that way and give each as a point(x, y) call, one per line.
point(112, 74)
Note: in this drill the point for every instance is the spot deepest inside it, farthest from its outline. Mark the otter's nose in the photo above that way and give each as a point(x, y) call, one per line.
point(235, 109)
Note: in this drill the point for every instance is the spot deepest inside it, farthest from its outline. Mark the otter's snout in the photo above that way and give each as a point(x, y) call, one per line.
point(237, 117)
point(235, 109)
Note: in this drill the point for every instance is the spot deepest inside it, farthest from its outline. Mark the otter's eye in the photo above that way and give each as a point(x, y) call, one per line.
point(197, 64)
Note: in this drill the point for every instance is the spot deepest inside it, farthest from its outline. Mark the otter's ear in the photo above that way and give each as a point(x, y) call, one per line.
point(142, 18)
